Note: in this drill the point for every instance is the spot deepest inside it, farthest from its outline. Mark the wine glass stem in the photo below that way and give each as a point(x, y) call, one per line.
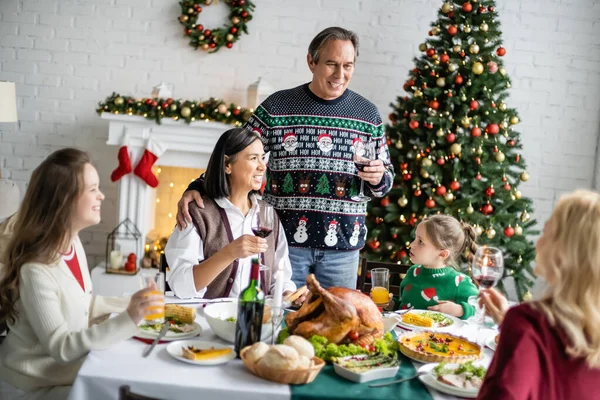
point(362, 186)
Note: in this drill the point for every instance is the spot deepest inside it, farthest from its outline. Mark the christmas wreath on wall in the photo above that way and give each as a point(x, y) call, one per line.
point(188, 110)
point(214, 39)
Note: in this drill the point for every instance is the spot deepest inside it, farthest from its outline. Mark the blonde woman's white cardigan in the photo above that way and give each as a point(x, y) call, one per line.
point(53, 333)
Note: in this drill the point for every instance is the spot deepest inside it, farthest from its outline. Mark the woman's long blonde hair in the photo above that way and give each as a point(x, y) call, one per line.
point(572, 268)
point(43, 222)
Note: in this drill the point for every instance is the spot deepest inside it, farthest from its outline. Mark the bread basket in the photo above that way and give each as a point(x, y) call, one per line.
point(292, 377)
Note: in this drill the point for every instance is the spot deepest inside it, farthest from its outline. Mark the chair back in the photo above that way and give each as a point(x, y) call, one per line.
point(125, 393)
point(397, 272)
point(164, 267)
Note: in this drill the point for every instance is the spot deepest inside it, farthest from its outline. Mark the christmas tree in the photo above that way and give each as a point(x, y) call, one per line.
point(454, 142)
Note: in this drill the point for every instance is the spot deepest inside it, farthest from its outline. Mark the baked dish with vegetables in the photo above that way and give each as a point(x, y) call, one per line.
point(429, 347)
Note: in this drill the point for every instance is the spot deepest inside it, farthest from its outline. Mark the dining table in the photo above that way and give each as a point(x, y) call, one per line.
point(162, 376)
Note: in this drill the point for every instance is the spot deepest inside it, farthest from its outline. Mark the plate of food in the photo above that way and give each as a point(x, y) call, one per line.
point(429, 320)
point(366, 367)
point(200, 353)
point(182, 324)
point(463, 380)
point(428, 347)
point(492, 342)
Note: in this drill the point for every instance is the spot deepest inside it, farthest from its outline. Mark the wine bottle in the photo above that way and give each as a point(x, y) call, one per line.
point(251, 303)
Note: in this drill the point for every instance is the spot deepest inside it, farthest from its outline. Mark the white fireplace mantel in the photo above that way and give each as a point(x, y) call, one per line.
point(187, 145)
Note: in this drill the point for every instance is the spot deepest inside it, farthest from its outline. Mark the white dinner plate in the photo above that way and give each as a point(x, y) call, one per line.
point(171, 336)
point(175, 350)
point(430, 380)
point(491, 343)
point(456, 323)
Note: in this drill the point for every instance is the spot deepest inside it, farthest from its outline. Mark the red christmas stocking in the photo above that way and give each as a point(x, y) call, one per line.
point(124, 161)
point(144, 167)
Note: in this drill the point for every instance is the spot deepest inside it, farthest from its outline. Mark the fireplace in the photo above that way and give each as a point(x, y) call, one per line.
point(187, 146)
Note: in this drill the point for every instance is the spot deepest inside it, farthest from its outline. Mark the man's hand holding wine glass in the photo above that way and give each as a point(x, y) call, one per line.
point(373, 173)
point(247, 246)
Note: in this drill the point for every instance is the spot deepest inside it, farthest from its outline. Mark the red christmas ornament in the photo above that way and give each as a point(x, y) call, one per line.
point(462, 54)
point(511, 142)
point(229, 45)
point(374, 244)
point(385, 202)
point(236, 111)
point(212, 45)
point(487, 209)
point(481, 10)
point(418, 192)
point(507, 186)
point(394, 236)
point(493, 105)
point(233, 30)
point(432, 73)
point(200, 27)
point(241, 2)
point(207, 32)
point(429, 203)
point(165, 105)
point(518, 158)
point(149, 102)
point(408, 84)
point(454, 185)
point(407, 177)
point(473, 105)
point(504, 178)
point(434, 104)
point(244, 14)
point(492, 129)
point(509, 231)
point(489, 192)
point(413, 124)
point(440, 190)
point(441, 161)
point(501, 51)
point(477, 160)
point(478, 176)
point(445, 58)
point(467, 7)
point(452, 30)
point(403, 166)
point(412, 220)
point(475, 132)
point(458, 79)
point(451, 14)
point(188, 32)
point(401, 254)
point(495, 149)
point(491, 8)
point(449, 93)
point(430, 52)
point(450, 138)
point(154, 103)
point(170, 101)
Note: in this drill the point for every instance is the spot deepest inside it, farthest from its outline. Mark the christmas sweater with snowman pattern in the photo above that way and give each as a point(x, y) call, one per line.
point(423, 287)
point(311, 175)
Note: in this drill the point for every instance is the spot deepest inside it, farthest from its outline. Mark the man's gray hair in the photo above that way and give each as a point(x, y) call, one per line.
point(331, 33)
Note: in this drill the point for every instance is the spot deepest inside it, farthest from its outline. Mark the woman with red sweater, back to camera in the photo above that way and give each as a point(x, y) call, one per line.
point(550, 349)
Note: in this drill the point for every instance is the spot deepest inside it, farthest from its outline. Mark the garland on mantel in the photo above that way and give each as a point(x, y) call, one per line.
point(187, 110)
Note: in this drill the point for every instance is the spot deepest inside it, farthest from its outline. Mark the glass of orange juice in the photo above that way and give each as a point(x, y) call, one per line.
point(380, 286)
point(157, 317)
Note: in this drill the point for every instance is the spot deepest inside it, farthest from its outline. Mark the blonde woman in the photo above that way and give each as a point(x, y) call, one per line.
point(46, 290)
point(550, 349)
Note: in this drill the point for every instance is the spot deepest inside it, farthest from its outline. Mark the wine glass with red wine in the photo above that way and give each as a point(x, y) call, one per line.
point(487, 268)
point(263, 222)
point(362, 158)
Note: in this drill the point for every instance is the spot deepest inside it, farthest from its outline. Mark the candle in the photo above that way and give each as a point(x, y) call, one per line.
point(116, 259)
point(278, 291)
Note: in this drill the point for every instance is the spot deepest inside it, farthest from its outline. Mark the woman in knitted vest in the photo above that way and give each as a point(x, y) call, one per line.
point(212, 257)
point(46, 289)
point(434, 283)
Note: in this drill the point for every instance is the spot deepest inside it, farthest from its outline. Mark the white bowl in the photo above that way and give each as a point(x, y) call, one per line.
point(216, 315)
point(375, 373)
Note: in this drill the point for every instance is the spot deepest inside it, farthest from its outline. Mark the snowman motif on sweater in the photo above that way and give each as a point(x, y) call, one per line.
point(355, 234)
point(301, 234)
point(331, 235)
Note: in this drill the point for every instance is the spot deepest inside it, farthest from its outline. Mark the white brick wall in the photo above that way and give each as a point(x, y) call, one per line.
point(66, 55)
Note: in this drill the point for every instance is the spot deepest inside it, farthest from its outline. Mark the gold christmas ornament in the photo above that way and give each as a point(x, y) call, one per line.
point(524, 176)
point(424, 173)
point(441, 82)
point(477, 68)
point(518, 230)
point(205, 46)
point(439, 133)
point(491, 233)
point(456, 149)
point(465, 122)
point(470, 209)
point(426, 162)
point(514, 120)
point(173, 107)
point(185, 112)
point(504, 125)
point(452, 67)
point(463, 97)
point(478, 230)
point(435, 30)
point(229, 37)
point(418, 93)
point(502, 106)
point(119, 101)
point(483, 27)
point(527, 296)
point(500, 156)
point(235, 20)
point(402, 201)
point(449, 197)
point(502, 71)
point(423, 47)
point(469, 82)
point(525, 216)
point(457, 48)
point(399, 144)
point(222, 108)
point(508, 85)
point(474, 49)
point(466, 29)
point(479, 150)
point(446, 8)
point(518, 194)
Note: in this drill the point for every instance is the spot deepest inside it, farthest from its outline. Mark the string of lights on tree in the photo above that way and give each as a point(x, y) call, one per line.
point(157, 109)
point(455, 147)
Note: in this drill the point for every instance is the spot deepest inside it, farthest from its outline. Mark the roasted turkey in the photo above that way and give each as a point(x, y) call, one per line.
point(333, 313)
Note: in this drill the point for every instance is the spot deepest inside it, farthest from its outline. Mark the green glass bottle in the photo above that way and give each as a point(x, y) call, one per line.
point(251, 303)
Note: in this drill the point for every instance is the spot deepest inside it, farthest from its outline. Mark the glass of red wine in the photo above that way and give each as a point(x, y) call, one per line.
point(362, 158)
point(487, 268)
point(262, 226)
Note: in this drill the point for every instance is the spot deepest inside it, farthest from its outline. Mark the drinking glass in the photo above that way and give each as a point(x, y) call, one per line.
point(362, 160)
point(263, 222)
point(380, 286)
point(487, 268)
point(158, 317)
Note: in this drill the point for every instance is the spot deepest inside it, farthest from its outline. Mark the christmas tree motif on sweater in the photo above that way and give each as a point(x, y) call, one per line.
point(323, 185)
point(288, 184)
point(331, 235)
point(353, 188)
point(340, 187)
point(325, 143)
point(290, 142)
point(429, 294)
point(355, 234)
point(304, 185)
point(301, 234)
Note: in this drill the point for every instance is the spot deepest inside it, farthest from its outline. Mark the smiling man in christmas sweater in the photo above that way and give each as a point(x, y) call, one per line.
point(312, 132)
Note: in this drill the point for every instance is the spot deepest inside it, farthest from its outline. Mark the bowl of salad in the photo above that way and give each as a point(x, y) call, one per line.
point(222, 317)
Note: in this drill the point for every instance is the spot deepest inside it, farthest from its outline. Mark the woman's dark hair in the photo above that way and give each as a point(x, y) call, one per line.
point(230, 143)
point(43, 222)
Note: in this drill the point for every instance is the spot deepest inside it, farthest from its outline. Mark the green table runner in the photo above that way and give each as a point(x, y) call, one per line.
point(329, 385)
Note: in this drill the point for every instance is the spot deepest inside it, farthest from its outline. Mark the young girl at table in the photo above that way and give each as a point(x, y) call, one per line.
point(433, 282)
point(550, 349)
point(46, 290)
